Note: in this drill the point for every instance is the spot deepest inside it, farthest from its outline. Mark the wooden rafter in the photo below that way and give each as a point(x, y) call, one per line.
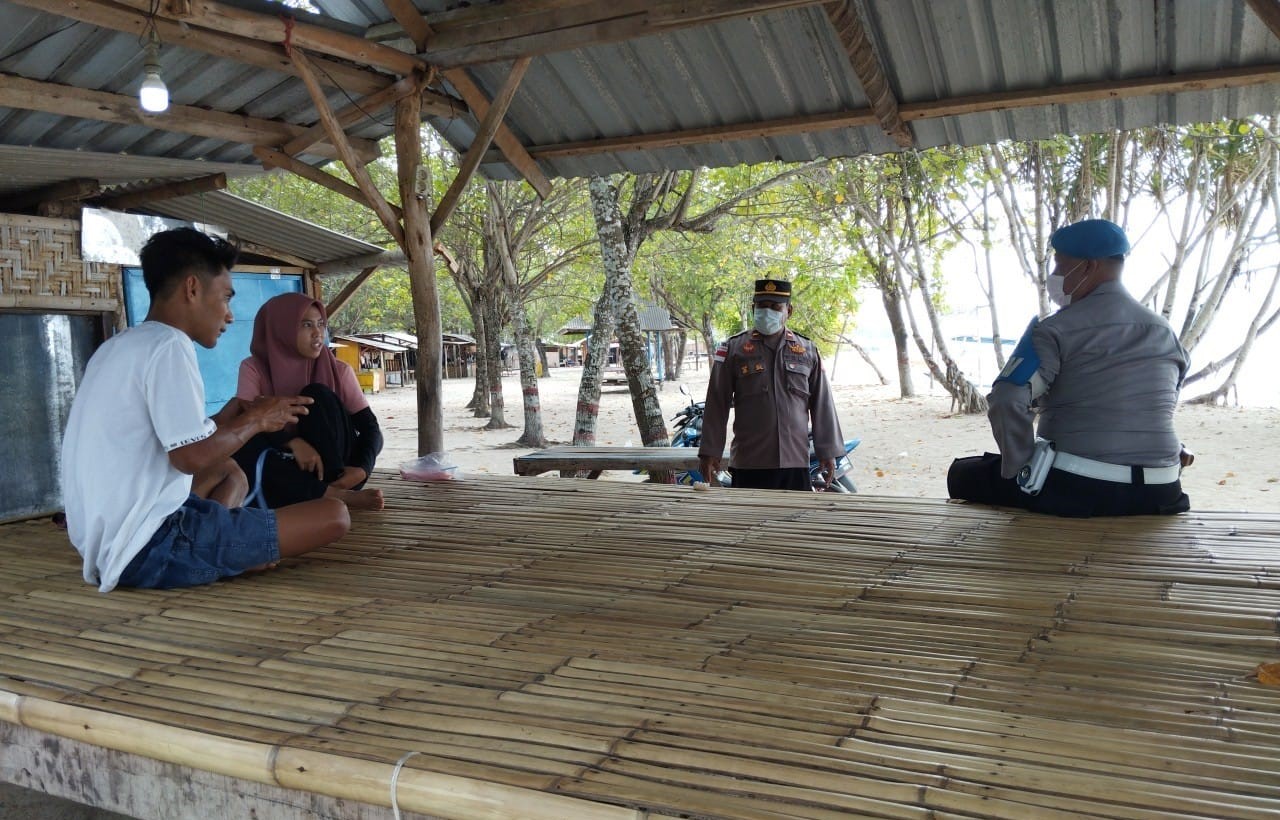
point(70, 190)
point(390, 219)
point(136, 197)
point(499, 32)
point(867, 66)
point(484, 137)
point(1269, 12)
point(370, 106)
point(270, 28)
point(344, 295)
point(172, 32)
point(955, 106)
point(271, 158)
point(415, 25)
point(66, 100)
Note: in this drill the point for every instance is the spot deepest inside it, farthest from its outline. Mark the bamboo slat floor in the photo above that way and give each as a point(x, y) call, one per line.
point(560, 648)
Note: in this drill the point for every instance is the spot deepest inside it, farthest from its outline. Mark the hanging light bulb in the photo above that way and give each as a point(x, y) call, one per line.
point(152, 94)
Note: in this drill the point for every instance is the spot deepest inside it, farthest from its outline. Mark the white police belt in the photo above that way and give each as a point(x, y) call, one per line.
point(1115, 473)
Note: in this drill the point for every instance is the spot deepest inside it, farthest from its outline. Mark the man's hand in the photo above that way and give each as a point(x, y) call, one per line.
point(828, 467)
point(306, 456)
point(709, 466)
point(272, 413)
point(229, 411)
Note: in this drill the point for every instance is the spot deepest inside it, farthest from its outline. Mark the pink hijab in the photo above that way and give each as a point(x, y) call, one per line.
point(275, 347)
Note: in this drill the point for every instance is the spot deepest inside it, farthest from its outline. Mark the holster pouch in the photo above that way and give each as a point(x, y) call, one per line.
point(1032, 475)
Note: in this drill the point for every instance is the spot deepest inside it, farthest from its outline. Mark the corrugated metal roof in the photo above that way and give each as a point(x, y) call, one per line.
point(766, 66)
point(263, 226)
point(790, 64)
point(23, 168)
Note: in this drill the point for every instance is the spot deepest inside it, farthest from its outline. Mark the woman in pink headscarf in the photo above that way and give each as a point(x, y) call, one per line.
point(332, 449)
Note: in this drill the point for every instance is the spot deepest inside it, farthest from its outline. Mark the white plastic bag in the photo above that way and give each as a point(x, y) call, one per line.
point(431, 467)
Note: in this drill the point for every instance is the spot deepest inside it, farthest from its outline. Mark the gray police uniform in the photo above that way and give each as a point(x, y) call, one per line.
point(775, 387)
point(1106, 389)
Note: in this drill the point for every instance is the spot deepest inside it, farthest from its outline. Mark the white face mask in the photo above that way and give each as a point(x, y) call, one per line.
point(1055, 284)
point(769, 321)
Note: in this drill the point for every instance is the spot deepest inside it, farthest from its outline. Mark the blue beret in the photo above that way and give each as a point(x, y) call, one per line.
point(1090, 239)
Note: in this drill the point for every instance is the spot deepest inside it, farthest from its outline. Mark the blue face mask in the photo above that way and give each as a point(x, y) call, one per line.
point(768, 321)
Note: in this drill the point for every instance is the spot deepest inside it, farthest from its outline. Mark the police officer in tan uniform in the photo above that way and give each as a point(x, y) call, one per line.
point(773, 379)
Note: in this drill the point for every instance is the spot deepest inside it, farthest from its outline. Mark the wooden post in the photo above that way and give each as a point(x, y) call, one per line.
point(417, 245)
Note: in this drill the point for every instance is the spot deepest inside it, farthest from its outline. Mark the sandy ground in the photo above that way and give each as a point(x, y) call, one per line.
point(907, 444)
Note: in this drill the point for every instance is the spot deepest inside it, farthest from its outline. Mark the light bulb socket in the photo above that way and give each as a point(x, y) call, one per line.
point(153, 95)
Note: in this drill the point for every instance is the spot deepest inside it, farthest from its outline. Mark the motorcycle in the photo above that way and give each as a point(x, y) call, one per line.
point(688, 433)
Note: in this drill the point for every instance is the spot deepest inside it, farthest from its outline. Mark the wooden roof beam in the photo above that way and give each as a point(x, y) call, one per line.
point(70, 190)
point(271, 28)
point(347, 292)
point(1269, 12)
point(53, 98)
point(139, 197)
point(390, 218)
point(243, 50)
point(374, 104)
point(271, 158)
point(484, 137)
point(416, 26)
point(955, 106)
point(866, 64)
point(500, 32)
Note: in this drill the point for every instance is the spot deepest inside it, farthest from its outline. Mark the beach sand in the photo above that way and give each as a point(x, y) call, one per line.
point(907, 444)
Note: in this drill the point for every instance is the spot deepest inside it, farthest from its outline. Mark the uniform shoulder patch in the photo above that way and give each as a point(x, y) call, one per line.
point(722, 351)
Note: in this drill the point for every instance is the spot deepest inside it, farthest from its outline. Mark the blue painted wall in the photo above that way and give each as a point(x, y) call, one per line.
point(220, 366)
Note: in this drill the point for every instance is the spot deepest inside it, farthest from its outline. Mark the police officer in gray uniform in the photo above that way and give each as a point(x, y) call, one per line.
point(773, 379)
point(1104, 374)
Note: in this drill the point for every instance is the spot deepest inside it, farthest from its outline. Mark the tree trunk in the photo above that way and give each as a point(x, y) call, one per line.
point(420, 257)
point(866, 357)
point(493, 326)
point(617, 258)
point(597, 352)
point(479, 404)
point(542, 357)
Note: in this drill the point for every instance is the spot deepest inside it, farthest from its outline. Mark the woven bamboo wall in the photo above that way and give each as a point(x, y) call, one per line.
point(41, 268)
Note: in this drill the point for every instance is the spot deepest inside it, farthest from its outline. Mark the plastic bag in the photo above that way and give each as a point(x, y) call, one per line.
point(431, 467)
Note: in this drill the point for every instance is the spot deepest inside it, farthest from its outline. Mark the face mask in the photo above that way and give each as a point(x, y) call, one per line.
point(769, 322)
point(1055, 284)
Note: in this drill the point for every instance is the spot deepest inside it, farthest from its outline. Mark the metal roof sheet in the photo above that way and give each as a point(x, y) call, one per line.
point(24, 167)
point(263, 226)
point(772, 65)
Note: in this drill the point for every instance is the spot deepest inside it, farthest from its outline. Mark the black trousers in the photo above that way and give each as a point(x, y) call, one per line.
point(326, 427)
point(783, 478)
point(977, 478)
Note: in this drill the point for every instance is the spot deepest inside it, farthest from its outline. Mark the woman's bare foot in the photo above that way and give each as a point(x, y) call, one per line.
point(366, 499)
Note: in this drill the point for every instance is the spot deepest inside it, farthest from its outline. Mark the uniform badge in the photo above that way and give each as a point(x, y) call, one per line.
point(745, 370)
point(748, 348)
point(797, 348)
point(759, 367)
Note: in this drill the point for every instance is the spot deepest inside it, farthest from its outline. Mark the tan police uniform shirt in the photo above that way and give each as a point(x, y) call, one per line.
point(775, 387)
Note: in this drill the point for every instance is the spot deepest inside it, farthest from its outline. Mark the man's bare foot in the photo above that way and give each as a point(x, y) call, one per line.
point(366, 499)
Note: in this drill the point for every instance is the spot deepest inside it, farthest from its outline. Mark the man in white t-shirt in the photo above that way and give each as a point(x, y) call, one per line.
point(152, 496)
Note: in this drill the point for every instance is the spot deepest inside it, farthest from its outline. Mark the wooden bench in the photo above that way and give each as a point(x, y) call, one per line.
point(595, 460)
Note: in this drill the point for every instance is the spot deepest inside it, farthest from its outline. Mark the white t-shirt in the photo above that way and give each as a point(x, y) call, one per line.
point(141, 397)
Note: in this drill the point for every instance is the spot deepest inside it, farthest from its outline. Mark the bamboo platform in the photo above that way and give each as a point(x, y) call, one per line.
point(560, 649)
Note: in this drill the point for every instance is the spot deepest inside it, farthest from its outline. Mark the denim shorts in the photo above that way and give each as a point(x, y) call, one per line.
point(201, 542)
